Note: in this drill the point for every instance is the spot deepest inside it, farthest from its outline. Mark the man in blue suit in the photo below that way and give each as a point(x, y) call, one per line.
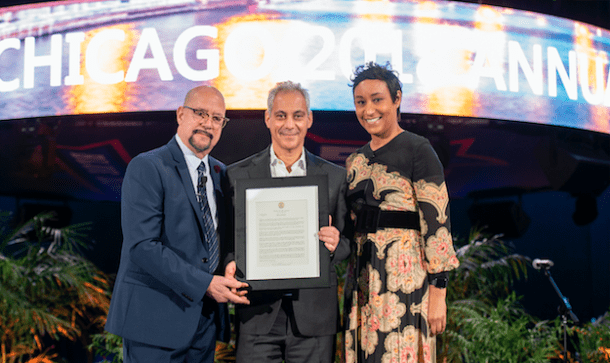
point(169, 298)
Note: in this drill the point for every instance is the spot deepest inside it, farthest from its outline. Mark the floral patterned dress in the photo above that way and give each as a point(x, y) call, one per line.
point(387, 285)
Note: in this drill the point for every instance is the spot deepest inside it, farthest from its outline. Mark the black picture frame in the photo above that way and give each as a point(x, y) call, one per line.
point(241, 185)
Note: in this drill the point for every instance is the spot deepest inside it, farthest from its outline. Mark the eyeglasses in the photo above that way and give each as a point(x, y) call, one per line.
point(204, 115)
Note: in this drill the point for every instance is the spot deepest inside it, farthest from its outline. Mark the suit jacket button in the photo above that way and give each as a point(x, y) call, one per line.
point(204, 260)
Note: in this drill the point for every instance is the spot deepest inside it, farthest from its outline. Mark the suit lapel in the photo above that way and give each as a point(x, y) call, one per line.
point(313, 167)
point(260, 165)
point(215, 173)
point(185, 177)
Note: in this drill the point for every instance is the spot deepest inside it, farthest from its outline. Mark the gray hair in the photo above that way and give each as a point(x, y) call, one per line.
point(286, 86)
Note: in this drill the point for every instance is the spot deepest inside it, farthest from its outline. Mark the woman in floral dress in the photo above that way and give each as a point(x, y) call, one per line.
point(397, 279)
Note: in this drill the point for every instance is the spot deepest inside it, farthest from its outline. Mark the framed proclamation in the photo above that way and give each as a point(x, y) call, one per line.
point(276, 232)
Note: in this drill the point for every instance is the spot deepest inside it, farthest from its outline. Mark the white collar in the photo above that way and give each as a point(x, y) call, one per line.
point(192, 160)
point(274, 160)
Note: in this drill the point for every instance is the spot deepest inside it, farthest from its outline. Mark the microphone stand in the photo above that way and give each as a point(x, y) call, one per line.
point(565, 310)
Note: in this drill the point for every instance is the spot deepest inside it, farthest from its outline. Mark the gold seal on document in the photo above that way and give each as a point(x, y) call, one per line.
point(281, 205)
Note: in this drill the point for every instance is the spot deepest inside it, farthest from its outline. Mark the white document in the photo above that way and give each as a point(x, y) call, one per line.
point(281, 233)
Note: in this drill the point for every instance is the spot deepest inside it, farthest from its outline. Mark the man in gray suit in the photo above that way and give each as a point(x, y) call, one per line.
point(295, 325)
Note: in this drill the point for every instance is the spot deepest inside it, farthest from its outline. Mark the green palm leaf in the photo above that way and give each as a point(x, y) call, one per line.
point(47, 288)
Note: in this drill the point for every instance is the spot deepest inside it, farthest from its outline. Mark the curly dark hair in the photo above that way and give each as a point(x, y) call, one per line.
point(372, 70)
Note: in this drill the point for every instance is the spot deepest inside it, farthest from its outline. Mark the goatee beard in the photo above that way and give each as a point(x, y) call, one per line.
point(197, 148)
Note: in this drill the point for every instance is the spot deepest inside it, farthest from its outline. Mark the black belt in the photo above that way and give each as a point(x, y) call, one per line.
point(369, 219)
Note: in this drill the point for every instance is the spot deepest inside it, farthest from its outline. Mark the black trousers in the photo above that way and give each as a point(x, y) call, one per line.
point(285, 343)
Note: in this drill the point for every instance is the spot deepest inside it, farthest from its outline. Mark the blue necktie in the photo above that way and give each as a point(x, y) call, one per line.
point(210, 230)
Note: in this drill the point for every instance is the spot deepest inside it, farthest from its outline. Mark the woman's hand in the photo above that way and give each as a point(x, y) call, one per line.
point(437, 310)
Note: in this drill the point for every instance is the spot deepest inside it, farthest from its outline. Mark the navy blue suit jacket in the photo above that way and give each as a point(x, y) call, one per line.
point(163, 274)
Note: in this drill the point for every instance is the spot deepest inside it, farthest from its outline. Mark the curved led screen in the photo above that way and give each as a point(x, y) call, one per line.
point(460, 59)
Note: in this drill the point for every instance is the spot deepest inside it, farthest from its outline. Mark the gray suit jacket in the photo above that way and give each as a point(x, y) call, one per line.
point(316, 311)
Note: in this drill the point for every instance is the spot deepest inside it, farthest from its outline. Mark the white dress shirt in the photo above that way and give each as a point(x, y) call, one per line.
point(278, 167)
